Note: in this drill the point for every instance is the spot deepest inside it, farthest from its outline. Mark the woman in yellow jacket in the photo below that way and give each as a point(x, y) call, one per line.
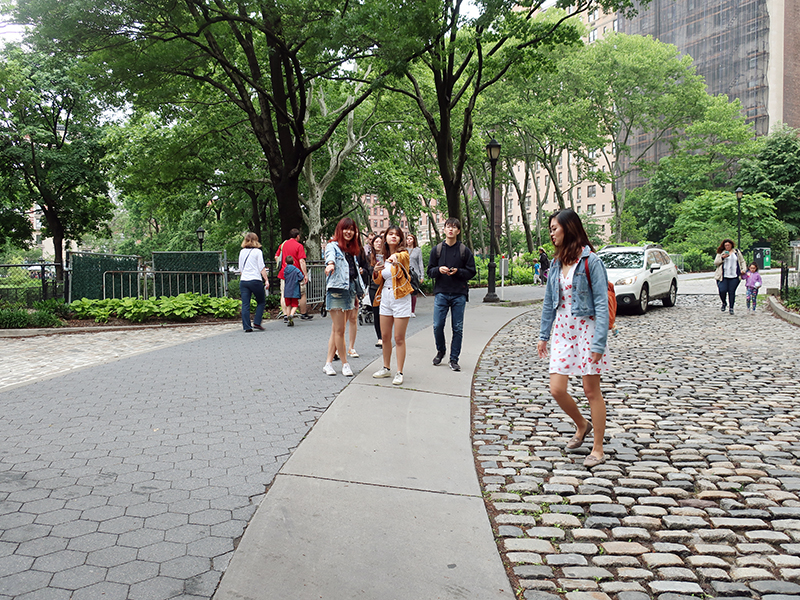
point(394, 299)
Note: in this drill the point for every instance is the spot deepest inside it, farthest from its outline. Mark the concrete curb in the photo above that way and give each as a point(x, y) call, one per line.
point(18, 333)
point(781, 312)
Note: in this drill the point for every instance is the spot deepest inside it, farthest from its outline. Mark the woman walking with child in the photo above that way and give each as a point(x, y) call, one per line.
point(575, 309)
point(394, 298)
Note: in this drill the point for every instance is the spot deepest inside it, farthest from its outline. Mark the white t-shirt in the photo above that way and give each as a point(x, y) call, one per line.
point(730, 266)
point(251, 262)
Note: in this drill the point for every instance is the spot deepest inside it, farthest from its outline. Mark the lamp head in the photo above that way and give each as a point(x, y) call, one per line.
point(201, 233)
point(493, 150)
point(739, 193)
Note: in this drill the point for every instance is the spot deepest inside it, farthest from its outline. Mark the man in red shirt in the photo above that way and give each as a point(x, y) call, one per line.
point(292, 247)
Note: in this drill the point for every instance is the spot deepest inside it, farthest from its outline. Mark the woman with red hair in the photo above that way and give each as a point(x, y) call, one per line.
point(342, 286)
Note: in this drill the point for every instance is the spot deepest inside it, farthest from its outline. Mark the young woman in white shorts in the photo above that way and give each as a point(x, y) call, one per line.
point(394, 300)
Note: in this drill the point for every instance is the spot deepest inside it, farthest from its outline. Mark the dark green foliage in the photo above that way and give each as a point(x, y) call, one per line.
point(44, 319)
point(53, 306)
point(14, 318)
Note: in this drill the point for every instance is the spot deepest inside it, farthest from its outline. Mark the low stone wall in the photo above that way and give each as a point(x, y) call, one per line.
point(779, 310)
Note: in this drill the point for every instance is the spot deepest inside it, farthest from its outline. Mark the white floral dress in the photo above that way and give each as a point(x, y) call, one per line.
point(571, 341)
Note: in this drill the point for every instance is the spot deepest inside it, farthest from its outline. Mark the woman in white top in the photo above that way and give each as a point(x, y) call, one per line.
point(730, 267)
point(251, 284)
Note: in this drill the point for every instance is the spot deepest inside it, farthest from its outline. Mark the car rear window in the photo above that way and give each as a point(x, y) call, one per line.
point(622, 260)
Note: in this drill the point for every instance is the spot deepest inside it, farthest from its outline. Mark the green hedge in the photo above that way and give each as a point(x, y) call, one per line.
point(180, 308)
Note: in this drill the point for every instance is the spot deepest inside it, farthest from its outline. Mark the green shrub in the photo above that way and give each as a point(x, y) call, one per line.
point(55, 306)
point(792, 299)
point(44, 319)
point(695, 260)
point(273, 301)
point(225, 308)
point(14, 318)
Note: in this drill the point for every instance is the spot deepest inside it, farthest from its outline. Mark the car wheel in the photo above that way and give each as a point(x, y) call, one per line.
point(644, 299)
point(669, 299)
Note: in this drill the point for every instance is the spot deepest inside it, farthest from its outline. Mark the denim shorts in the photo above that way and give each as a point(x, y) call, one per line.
point(339, 299)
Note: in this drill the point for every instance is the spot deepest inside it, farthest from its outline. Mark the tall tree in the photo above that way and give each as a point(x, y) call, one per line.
point(775, 171)
point(52, 144)
point(474, 55)
point(637, 85)
point(262, 56)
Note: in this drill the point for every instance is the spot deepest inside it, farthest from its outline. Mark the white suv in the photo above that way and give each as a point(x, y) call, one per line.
point(640, 274)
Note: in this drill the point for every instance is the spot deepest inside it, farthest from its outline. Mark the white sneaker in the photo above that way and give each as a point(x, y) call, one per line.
point(413, 315)
point(328, 369)
point(352, 353)
point(346, 370)
point(384, 372)
point(398, 379)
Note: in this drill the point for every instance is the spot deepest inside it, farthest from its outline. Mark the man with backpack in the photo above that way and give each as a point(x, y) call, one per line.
point(451, 266)
point(544, 266)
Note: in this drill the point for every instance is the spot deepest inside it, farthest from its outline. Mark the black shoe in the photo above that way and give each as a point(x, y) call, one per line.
point(454, 366)
point(437, 360)
point(336, 356)
point(306, 317)
point(248, 331)
point(285, 318)
point(731, 310)
point(724, 308)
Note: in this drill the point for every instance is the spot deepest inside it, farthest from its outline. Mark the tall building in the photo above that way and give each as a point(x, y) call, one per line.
point(746, 49)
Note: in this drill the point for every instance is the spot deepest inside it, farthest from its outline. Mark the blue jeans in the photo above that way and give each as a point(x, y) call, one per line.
point(256, 289)
point(456, 303)
point(727, 290)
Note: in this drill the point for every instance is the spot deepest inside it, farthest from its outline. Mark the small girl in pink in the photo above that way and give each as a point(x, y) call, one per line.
point(752, 279)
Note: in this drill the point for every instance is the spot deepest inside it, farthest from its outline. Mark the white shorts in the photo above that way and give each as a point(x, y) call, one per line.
point(391, 307)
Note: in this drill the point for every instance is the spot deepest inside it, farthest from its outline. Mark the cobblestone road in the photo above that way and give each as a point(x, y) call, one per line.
point(700, 494)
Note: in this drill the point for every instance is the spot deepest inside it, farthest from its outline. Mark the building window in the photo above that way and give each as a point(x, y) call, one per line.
point(616, 25)
point(603, 208)
point(593, 36)
point(381, 214)
point(578, 193)
point(559, 178)
point(590, 209)
point(591, 191)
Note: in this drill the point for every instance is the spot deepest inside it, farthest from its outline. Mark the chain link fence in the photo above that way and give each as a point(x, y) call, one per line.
point(86, 274)
point(198, 272)
point(25, 284)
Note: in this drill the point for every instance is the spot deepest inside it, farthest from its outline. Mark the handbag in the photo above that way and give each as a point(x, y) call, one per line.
point(413, 279)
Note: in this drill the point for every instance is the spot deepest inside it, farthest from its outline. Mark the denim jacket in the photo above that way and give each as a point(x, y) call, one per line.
point(585, 302)
point(340, 278)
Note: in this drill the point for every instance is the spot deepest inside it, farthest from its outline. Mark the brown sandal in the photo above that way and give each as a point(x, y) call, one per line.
point(577, 441)
point(592, 461)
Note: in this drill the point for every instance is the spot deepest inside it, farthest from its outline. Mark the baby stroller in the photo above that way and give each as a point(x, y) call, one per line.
point(365, 311)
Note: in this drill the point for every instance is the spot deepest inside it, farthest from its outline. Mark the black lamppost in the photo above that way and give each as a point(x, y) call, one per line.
point(201, 234)
point(493, 152)
point(739, 194)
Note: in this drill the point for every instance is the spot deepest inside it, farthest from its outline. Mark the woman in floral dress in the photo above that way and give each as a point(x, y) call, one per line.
point(575, 311)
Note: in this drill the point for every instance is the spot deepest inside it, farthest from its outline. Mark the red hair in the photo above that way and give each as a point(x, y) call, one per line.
point(354, 246)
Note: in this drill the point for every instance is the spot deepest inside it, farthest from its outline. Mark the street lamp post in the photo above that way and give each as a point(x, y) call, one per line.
point(493, 152)
point(739, 194)
point(201, 234)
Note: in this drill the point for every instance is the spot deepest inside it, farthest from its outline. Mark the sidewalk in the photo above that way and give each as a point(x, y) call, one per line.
point(381, 500)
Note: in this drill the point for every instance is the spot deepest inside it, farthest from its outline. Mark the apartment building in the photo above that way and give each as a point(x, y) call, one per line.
point(379, 218)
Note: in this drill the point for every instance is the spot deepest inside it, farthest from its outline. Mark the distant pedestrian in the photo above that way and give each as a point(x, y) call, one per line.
point(253, 281)
point(292, 247)
point(352, 315)
point(451, 266)
point(752, 284)
point(394, 299)
point(415, 256)
point(544, 265)
point(342, 285)
point(730, 267)
point(375, 257)
point(292, 277)
point(579, 307)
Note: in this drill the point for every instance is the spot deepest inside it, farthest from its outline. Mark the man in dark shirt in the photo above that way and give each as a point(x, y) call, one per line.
point(451, 266)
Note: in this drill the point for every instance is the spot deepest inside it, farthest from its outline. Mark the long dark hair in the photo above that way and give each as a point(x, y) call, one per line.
point(354, 246)
point(401, 245)
point(575, 238)
point(722, 246)
point(372, 255)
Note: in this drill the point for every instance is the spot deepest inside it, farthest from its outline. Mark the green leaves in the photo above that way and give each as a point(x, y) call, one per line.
point(183, 307)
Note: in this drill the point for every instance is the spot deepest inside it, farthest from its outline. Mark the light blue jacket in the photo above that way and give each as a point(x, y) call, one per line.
point(585, 302)
point(340, 278)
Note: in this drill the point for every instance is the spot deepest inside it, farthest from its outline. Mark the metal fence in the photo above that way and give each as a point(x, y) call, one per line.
point(28, 283)
point(87, 269)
